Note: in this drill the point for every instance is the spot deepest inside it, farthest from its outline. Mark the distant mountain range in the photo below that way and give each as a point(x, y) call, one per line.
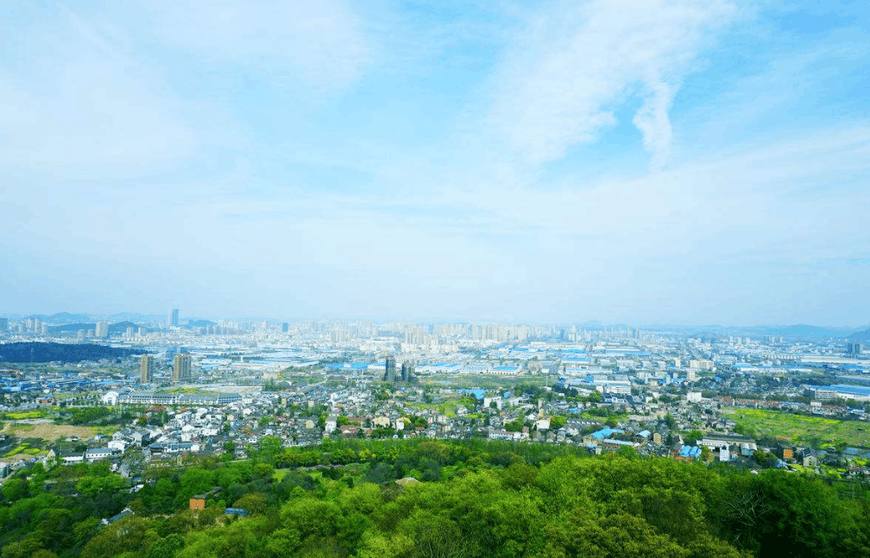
point(201, 323)
point(118, 328)
point(64, 318)
point(60, 352)
point(792, 332)
point(78, 319)
point(797, 331)
point(860, 336)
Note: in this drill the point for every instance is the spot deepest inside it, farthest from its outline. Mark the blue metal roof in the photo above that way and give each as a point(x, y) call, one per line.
point(606, 432)
point(478, 393)
point(854, 390)
point(690, 451)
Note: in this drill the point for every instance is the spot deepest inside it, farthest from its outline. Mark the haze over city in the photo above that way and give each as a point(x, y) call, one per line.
point(629, 162)
point(434, 279)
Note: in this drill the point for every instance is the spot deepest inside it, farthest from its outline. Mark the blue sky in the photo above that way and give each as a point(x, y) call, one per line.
point(639, 162)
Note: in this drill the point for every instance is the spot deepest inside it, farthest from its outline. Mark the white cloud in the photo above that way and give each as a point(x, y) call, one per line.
point(74, 103)
point(653, 121)
point(100, 93)
point(322, 42)
point(577, 63)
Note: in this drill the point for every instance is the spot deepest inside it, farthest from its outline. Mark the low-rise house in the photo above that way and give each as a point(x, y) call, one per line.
point(118, 445)
point(97, 454)
point(126, 512)
point(725, 445)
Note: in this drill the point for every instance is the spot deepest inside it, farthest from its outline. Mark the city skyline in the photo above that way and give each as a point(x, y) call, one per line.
point(128, 324)
point(648, 162)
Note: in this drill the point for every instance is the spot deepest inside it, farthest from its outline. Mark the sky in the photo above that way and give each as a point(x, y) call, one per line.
point(624, 161)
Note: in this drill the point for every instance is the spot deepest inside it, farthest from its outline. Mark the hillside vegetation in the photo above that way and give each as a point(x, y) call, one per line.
point(474, 499)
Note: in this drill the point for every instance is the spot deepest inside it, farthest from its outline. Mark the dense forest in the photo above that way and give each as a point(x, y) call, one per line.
point(473, 498)
point(60, 352)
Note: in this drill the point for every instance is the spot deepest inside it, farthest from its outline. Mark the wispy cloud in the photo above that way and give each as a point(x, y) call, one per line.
point(74, 104)
point(322, 42)
point(83, 97)
point(577, 64)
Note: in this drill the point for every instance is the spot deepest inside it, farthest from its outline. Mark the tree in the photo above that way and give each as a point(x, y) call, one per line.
point(765, 459)
point(166, 547)
point(194, 481)
point(128, 534)
point(515, 425)
point(310, 517)
point(692, 436)
point(14, 489)
point(255, 503)
point(380, 473)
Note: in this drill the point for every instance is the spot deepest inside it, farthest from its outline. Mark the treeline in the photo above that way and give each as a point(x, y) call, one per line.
point(476, 498)
point(60, 352)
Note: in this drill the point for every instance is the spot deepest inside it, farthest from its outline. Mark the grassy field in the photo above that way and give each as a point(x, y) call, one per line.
point(50, 432)
point(24, 415)
point(22, 451)
point(485, 381)
point(447, 408)
point(800, 429)
point(31, 436)
point(619, 417)
point(186, 390)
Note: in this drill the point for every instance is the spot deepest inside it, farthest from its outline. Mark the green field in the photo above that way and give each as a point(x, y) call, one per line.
point(24, 449)
point(485, 381)
point(447, 408)
point(800, 429)
point(186, 390)
point(24, 415)
point(618, 417)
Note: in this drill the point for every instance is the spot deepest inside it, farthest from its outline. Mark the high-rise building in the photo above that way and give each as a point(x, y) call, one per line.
point(173, 318)
point(4, 324)
point(407, 371)
point(854, 349)
point(146, 369)
point(181, 367)
point(102, 330)
point(390, 369)
point(285, 327)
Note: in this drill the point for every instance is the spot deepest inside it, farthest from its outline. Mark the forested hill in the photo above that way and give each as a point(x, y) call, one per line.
point(60, 352)
point(474, 499)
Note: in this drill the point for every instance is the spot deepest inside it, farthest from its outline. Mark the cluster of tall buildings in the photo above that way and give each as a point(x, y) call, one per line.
point(405, 375)
point(181, 368)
